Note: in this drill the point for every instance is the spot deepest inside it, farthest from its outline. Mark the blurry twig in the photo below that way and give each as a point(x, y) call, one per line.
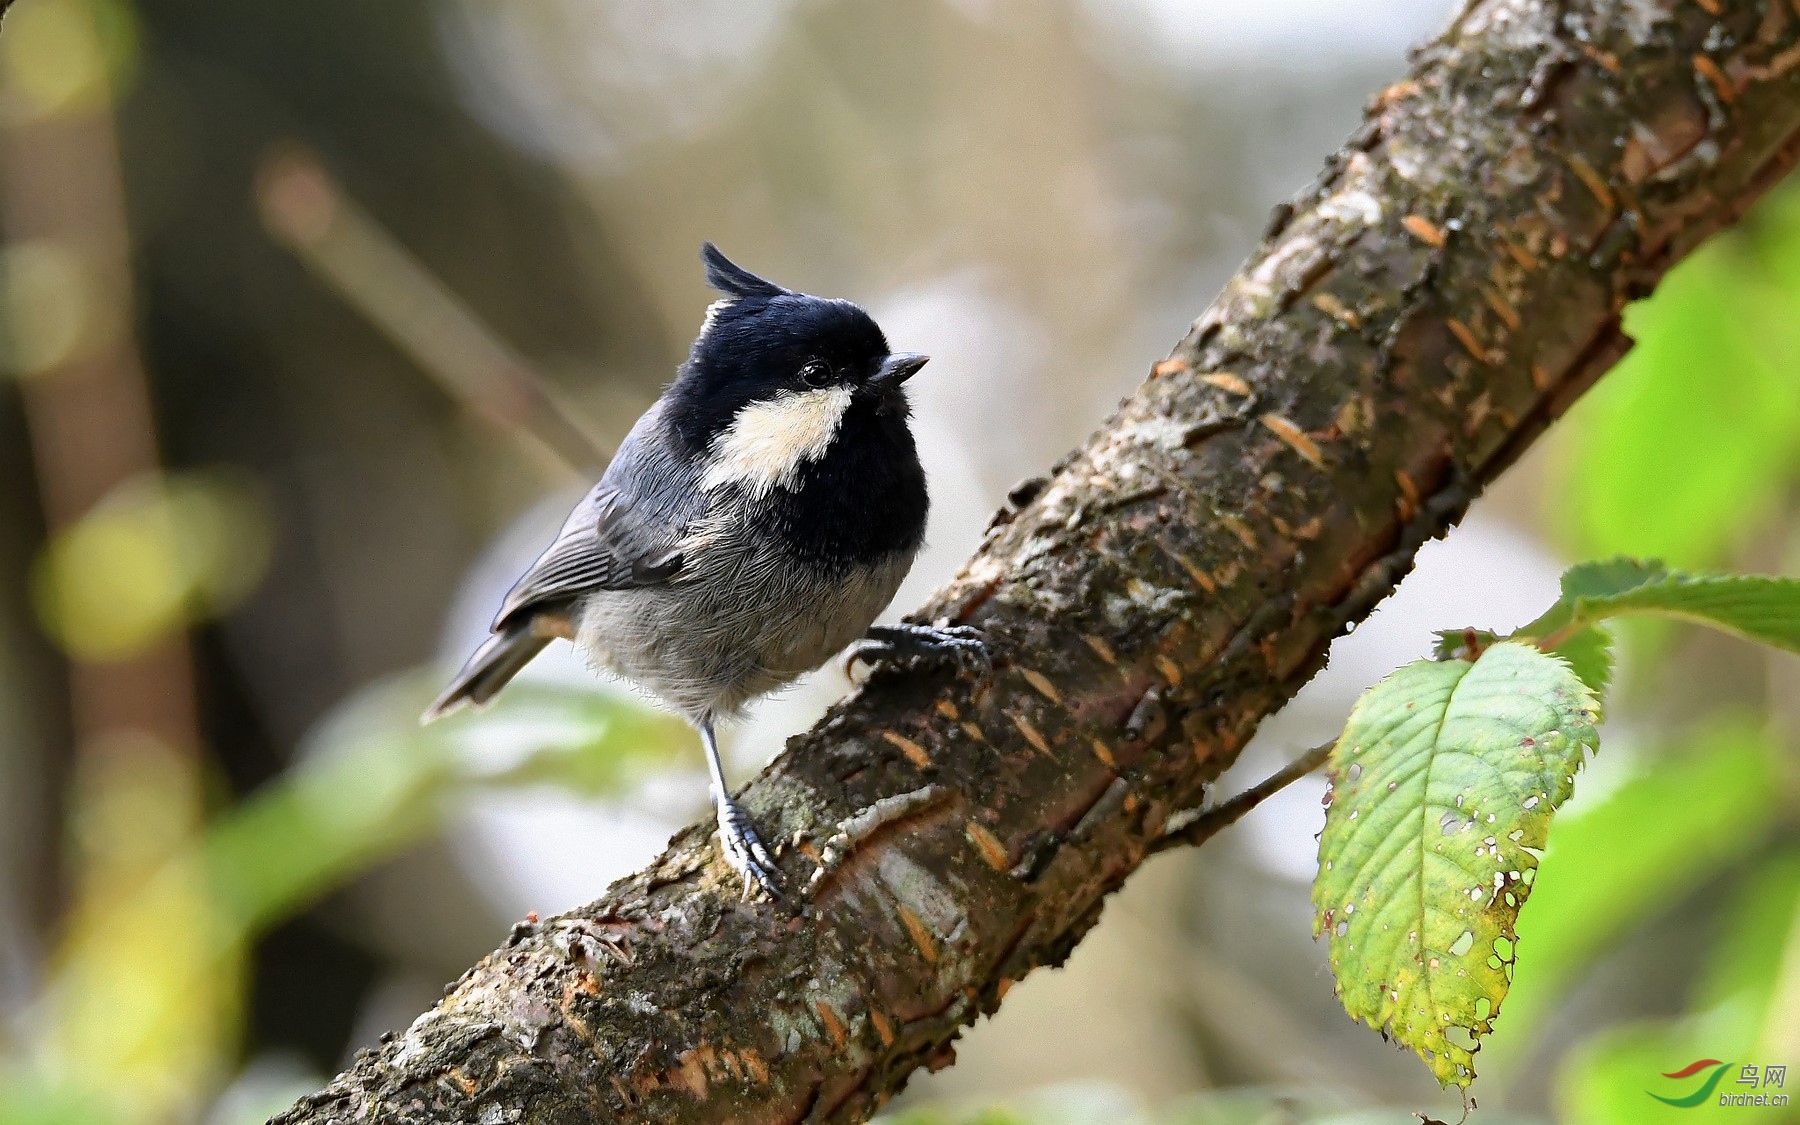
point(1206, 823)
point(304, 208)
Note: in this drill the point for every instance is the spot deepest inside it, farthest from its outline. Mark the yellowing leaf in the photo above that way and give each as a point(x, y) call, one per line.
point(1443, 786)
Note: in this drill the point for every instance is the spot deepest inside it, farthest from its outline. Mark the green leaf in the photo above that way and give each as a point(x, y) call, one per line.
point(1615, 863)
point(377, 782)
point(1462, 644)
point(29, 1098)
point(1611, 1078)
point(1756, 607)
point(1589, 654)
point(1688, 446)
point(1443, 786)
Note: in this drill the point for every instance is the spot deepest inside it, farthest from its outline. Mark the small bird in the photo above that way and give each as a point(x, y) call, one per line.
point(755, 521)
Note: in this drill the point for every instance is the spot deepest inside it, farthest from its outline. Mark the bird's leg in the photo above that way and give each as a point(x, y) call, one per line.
point(907, 641)
point(742, 848)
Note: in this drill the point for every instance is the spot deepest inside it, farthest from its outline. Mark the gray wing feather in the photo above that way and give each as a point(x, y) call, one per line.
point(607, 545)
point(625, 533)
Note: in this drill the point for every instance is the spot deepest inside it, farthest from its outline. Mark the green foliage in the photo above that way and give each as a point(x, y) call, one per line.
point(144, 994)
point(1614, 864)
point(1308, 1104)
point(379, 781)
point(1687, 447)
point(1609, 1080)
point(1587, 651)
point(1589, 655)
point(1755, 607)
point(158, 553)
point(1443, 786)
point(27, 1100)
point(1445, 781)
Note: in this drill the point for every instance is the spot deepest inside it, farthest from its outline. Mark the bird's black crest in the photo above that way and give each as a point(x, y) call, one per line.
point(732, 279)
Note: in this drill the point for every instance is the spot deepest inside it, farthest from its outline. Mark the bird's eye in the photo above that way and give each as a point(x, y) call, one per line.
point(815, 373)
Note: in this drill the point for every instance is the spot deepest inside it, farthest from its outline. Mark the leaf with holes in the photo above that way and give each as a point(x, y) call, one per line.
point(1443, 785)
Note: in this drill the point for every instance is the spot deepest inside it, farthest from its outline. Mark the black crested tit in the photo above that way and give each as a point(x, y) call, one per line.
point(755, 521)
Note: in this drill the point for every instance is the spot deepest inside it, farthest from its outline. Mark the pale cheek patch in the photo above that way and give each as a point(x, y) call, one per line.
point(769, 442)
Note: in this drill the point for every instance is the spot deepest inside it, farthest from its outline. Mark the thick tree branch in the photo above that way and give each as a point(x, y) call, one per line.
point(1409, 326)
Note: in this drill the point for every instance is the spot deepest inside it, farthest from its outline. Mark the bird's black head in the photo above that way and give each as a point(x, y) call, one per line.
point(791, 407)
point(761, 342)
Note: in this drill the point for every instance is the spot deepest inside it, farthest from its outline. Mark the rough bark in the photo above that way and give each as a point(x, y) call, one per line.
point(1409, 325)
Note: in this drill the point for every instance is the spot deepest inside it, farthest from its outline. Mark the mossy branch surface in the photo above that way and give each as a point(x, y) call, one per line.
point(1408, 327)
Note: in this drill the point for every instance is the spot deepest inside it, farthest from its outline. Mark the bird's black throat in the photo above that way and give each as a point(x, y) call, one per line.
point(864, 501)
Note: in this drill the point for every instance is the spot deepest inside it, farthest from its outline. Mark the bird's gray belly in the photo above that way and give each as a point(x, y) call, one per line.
point(742, 621)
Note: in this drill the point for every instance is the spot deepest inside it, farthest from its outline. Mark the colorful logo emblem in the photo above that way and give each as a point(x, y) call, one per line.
point(1705, 1089)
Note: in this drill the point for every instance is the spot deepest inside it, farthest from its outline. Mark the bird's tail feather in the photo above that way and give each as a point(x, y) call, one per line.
point(494, 664)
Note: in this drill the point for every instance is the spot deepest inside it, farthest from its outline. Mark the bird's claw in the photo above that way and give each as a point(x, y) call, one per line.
point(744, 852)
point(962, 644)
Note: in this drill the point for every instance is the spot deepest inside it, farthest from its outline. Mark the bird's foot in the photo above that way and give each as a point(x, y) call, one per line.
point(962, 644)
point(743, 849)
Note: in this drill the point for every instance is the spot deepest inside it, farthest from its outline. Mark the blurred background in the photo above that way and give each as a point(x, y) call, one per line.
point(315, 317)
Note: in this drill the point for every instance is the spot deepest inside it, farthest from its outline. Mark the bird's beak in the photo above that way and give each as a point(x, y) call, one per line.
point(898, 368)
